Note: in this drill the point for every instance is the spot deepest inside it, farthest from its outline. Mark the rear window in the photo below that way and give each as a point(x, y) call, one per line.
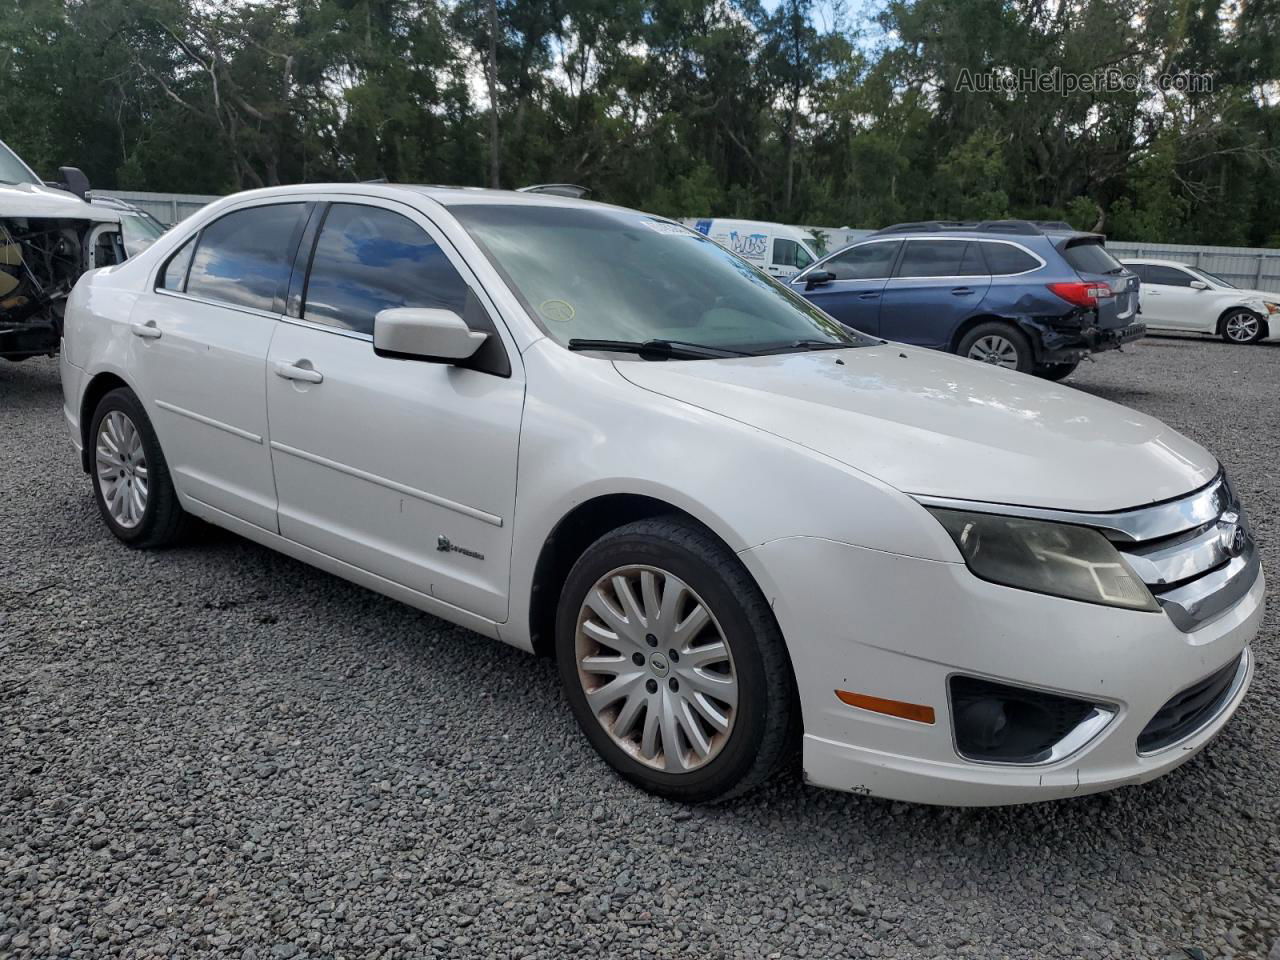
point(1091, 257)
point(932, 258)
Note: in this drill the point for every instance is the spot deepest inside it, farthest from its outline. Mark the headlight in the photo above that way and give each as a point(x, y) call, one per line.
point(1271, 307)
point(1053, 558)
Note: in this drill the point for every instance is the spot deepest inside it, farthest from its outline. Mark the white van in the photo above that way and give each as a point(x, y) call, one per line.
point(774, 247)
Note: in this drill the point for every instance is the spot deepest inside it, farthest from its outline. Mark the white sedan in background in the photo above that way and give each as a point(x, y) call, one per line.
point(1186, 299)
point(744, 531)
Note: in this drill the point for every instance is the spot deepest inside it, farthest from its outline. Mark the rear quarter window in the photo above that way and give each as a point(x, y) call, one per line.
point(1004, 259)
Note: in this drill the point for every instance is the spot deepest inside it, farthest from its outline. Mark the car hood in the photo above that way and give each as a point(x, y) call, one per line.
point(32, 200)
point(934, 424)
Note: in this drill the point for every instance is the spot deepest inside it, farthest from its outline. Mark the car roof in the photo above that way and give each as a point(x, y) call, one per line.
point(445, 195)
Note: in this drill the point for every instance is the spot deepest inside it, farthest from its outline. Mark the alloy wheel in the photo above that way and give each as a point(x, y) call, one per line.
point(122, 469)
point(656, 668)
point(996, 350)
point(1242, 327)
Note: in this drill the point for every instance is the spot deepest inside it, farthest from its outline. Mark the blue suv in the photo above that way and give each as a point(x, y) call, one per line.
point(1034, 296)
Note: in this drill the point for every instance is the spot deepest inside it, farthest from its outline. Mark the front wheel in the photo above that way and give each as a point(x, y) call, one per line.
point(999, 344)
point(673, 663)
point(1241, 326)
point(1056, 371)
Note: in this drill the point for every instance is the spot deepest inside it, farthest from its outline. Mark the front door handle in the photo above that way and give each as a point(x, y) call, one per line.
point(147, 331)
point(291, 371)
point(868, 296)
point(961, 291)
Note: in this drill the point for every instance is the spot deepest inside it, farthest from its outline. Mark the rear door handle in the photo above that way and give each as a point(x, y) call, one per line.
point(961, 291)
point(291, 371)
point(868, 296)
point(147, 331)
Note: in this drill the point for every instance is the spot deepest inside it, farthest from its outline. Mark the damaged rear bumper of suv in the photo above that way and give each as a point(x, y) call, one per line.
point(1087, 697)
point(1069, 343)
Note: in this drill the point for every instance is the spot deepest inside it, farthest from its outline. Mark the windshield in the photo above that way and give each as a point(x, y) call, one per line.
point(12, 169)
point(139, 232)
point(1213, 278)
point(603, 274)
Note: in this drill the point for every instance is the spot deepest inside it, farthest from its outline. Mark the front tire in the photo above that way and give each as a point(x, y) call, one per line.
point(673, 663)
point(1241, 326)
point(131, 481)
point(999, 344)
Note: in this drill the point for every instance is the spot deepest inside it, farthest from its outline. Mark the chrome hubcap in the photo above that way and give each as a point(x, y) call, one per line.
point(994, 349)
point(656, 668)
point(1242, 326)
point(122, 469)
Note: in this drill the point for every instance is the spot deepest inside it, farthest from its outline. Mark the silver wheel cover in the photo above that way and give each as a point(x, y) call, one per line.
point(122, 469)
point(1242, 327)
point(656, 669)
point(996, 350)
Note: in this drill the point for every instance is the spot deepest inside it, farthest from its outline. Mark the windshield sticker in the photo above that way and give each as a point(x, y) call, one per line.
point(561, 311)
point(675, 229)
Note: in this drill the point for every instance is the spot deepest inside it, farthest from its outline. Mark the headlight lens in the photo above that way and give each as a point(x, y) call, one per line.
point(1271, 307)
point(1054, 558)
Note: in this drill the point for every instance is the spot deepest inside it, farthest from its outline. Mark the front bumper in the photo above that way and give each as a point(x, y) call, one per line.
point(898, 627)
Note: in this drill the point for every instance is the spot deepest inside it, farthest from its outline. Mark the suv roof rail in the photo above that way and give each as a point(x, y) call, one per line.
point(1024, 227)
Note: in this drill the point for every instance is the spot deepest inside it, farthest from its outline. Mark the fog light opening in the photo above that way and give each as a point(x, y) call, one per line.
point(998, 723)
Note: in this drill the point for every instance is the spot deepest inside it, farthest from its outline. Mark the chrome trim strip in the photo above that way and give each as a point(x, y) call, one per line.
point(1180, 560)
point(408, 491)
point(1075, 740)
point(326, 328)
point(209, 302)
point(1233, 691)
point(208, 421)
point(1123, 526)
point(1193, 605)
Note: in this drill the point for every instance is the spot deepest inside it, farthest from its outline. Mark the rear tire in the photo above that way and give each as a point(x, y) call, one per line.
point(999, 344)
point(131, 481)
point(1242, 326)
point(1056, 371)
point(726, 700)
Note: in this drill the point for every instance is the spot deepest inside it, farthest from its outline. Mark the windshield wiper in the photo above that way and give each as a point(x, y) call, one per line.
point(811, 345)
point(657, 349)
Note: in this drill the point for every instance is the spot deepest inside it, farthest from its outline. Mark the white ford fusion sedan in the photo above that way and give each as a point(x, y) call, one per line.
point(742, 530)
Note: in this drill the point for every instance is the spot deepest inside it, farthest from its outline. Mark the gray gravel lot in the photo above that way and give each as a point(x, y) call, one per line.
point(219, 750)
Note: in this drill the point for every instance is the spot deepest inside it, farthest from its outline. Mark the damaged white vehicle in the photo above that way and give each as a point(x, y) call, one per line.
point(49, 236)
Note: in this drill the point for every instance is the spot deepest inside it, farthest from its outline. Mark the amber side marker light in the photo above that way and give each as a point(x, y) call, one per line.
point(893, 708)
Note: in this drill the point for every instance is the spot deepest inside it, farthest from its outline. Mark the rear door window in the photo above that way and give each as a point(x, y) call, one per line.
point(368, 259)
point(244, 258)
point(1091, 257)
point(868, 261)
point(932, 258)
point(1006, 260)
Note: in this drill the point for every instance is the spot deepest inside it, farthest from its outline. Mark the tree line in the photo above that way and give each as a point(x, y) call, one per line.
point(796, 111)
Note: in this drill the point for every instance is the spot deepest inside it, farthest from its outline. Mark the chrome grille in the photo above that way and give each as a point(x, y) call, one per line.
point(1199, 571)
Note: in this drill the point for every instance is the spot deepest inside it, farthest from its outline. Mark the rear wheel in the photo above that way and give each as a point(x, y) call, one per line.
point(674, 664)
point(999, 344)
point(1241, 326)
point(131, 480)
point(1056, 371)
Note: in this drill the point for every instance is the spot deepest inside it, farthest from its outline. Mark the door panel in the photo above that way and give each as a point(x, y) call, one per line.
point(401, 467)
point(202, 364)
point(383, 457)
point(861, 272)
point(1169, 301)
point(937, 285)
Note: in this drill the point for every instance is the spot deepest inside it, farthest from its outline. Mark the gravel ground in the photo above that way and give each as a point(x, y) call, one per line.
point(219, 750)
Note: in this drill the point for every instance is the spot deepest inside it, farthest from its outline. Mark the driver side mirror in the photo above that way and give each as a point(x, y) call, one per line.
point(818, 278)
point(423, 333)
point(1198, 285)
